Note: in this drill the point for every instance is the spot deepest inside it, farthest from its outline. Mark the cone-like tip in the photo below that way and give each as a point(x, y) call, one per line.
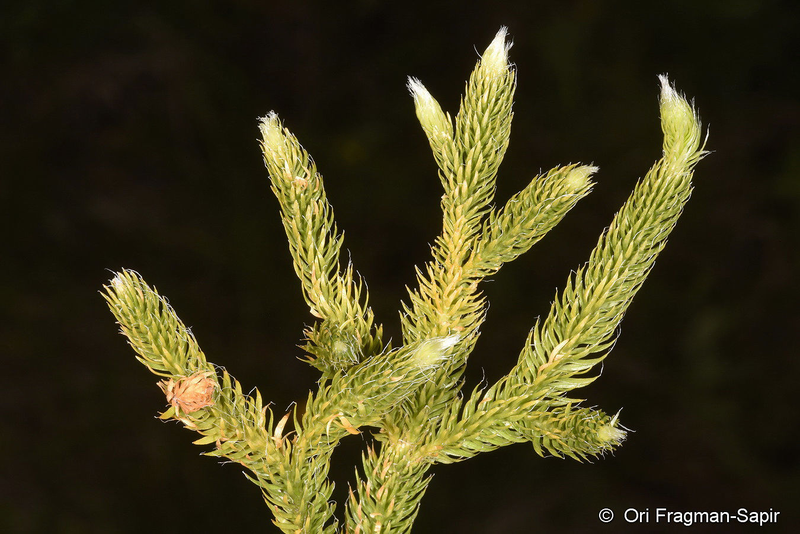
point(434, 350)
point(273, 141)
point(679, 122)
point(612, 433)
point(117, 283)
point(675, 110)
point(495, 58)
point(668, 92)
point(579, 177)
point(418, 91)
point(433, 120)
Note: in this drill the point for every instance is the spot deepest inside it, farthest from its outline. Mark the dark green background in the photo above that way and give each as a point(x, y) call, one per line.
point(129, 140)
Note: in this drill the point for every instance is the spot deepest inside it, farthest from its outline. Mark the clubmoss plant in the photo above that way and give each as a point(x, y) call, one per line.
point(409, 396)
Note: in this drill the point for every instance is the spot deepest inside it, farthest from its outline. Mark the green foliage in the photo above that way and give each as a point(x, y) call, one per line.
point(411, 395)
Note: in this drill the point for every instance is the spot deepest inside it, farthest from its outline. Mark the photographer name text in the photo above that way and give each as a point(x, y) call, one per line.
point(689, 518)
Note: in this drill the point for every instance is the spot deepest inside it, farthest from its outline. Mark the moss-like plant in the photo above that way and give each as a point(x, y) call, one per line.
point(410, 396)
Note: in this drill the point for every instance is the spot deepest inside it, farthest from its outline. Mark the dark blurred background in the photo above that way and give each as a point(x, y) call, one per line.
point(129, 140)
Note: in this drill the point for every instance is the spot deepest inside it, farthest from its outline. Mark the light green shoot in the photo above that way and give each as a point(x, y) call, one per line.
point(410, 397)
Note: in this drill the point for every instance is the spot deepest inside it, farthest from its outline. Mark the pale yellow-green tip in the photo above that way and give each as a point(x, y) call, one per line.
point(434, 350)
point(679, 122)
point(434, 121)
point(273, 141)
point(494, 61)
point(579, 177)
point(611, 433)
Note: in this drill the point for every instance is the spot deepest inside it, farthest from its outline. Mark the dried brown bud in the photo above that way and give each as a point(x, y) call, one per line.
point(190, 393)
